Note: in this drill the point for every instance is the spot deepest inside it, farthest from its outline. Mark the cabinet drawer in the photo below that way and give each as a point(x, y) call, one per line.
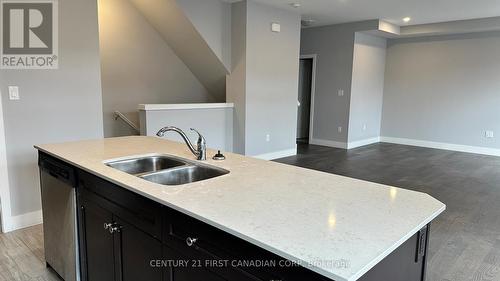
point(179, 228)
point(218, 244)
point(137, 210)
point(193, 268)
point(211, 243)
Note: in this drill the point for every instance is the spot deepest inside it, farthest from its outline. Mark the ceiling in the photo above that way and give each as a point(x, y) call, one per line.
point(326, 12)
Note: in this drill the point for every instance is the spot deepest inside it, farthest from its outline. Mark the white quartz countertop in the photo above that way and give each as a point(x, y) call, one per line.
point(336, 226)
point(183, 106)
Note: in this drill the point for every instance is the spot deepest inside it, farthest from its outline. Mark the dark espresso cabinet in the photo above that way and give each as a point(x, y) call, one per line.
point(124, 236)
point(97, 245)
point(137, 251)
point(112, 248)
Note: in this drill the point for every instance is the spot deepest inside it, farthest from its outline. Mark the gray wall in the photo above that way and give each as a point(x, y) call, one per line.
point(443, 89)
point(236, 81)
point(212, 18)
point(272, 79)
point(367, 88)
point(171, 21)
point(138, 67)
point(264, 82)
point(56, 105)
point(334, 46)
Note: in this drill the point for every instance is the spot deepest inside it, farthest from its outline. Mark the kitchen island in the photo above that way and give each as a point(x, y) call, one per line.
point(261, 221)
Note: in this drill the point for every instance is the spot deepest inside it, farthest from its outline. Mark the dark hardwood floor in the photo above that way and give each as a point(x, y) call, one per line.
point(465, 239)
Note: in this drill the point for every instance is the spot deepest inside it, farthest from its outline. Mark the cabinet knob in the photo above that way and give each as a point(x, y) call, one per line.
point(190, 241)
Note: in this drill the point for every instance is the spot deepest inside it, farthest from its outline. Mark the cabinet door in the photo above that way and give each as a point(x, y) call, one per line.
point(96, 243)
point(135, 251)
point(406, 263)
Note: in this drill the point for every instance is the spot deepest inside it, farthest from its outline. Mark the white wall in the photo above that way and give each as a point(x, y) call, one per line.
point(443, 89)
point(367, 88)
point(55, 106)
point(138, 66)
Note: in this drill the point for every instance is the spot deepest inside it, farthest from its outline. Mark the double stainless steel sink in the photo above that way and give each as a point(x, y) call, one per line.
point(167, 169)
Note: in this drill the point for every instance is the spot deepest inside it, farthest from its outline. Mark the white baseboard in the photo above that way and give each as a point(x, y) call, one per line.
point(277, 154)
point(344, 145)
point(442, 145)
point(360, 143)
point(412, 142)
point(328, 143)
point(21, 221)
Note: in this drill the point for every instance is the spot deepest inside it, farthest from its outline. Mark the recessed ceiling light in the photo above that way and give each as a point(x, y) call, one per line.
point(295, 5)
point(407, 19)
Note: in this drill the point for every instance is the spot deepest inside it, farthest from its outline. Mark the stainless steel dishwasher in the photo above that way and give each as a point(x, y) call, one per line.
point(58, 183)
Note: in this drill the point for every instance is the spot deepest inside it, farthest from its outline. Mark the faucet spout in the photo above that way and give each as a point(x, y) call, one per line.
point(201, 145)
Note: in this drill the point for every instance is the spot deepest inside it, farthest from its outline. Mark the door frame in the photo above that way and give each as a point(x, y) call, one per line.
point(314, 58)
point(4, 178)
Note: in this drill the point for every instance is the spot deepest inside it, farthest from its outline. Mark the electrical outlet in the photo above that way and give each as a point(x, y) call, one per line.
point(14, 93)
point(489, 134)
point(275, 27)
point(340, 92)
point(268, 137)
point(339, 129)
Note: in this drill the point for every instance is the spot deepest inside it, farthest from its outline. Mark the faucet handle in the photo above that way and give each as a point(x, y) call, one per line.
point(200, 136)
point(202, 146)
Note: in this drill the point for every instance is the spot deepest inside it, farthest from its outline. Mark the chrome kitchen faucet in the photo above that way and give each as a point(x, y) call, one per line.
point(201, 145)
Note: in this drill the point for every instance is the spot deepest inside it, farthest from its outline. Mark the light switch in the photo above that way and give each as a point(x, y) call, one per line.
point(14, 93)
point(489, 134)
point(275, 27)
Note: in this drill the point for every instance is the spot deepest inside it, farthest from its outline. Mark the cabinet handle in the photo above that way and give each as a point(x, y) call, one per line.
point(190, 241)
point(112, 227)
point(115, 228)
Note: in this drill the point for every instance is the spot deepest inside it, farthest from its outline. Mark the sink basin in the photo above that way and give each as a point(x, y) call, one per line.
point(183, 175)
point(147, 164)
point(166, 169)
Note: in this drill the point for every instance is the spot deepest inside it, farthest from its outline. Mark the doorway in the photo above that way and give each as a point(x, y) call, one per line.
point(305, 101)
